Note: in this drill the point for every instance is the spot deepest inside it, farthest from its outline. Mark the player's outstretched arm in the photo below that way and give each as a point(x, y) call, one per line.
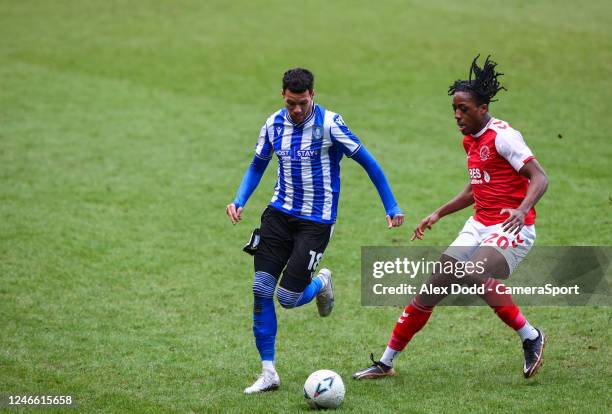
point(251, 179)
point(395, 215)
point(538, 184)
point(462, 200)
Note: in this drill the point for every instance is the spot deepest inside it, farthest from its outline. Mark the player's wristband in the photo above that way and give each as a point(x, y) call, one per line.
point(394, 211)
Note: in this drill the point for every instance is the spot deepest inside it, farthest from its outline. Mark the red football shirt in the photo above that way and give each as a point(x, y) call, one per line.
point(495, 155)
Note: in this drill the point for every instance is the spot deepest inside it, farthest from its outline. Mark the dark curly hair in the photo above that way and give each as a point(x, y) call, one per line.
point(484, 85)
point(298, 80)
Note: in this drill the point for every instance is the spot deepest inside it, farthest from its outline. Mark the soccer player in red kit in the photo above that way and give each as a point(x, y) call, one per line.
point(505, 183)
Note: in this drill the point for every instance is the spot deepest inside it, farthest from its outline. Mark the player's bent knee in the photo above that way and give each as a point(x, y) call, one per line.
point(286, 298)
point(286, 305)
point(263, 285)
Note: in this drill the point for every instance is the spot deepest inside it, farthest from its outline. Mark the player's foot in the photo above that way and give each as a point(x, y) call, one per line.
point(267, 381)
point(325, 297)
point(534, 352)
point(376, 370)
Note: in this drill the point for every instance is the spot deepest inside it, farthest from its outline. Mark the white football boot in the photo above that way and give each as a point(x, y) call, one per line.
point(325, 297)
point(267, 381)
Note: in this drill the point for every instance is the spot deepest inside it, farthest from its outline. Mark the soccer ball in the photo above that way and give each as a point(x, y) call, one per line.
point(324, 389)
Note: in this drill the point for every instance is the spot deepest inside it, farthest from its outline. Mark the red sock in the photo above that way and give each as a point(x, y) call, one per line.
point(503, 305)
point(413, 318)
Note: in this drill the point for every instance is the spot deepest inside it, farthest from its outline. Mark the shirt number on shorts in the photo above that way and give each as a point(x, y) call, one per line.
point(502, 241)
point(315, 258)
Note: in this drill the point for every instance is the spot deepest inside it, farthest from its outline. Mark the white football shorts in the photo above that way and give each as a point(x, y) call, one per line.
point(514, 247)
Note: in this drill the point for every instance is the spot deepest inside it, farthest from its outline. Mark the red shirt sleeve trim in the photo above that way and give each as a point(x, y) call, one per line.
point(526, 160)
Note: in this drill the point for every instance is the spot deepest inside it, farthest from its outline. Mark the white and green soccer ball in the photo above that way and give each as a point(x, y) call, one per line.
point(324, 389)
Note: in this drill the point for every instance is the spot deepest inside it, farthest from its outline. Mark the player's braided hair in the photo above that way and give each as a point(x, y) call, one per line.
point(485, 84)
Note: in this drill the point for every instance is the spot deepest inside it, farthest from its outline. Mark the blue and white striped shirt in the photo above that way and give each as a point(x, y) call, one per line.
point(309, 155)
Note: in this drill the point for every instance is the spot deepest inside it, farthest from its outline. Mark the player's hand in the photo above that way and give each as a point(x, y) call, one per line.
point(233, 213)
point(515, 221)
point(396, 221)
point(395, 217)
point(426, 223)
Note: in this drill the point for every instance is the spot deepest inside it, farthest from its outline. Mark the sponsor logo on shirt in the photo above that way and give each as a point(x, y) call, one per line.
point(478, 177)
point(297, 155)
point(306, 153)
point(475, 175)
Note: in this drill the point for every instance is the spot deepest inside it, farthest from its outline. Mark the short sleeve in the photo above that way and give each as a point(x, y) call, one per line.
point(341, 134)
point(512, 147)
point(263, 149)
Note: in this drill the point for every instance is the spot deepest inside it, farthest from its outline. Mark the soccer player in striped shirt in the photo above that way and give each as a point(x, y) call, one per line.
point(505, 183)
point(309, 142)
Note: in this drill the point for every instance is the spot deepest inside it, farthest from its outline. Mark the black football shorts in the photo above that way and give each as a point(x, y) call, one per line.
point(293, 244)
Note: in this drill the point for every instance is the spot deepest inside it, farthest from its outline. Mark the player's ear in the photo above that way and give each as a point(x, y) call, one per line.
point(312, 93)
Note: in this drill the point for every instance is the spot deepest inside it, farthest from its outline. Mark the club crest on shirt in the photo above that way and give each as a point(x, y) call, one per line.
point(317, 132)
point(484, 153)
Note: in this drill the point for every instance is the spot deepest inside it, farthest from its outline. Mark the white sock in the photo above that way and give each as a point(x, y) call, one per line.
point(268, 366)
point(388, 356)
point(527, 332)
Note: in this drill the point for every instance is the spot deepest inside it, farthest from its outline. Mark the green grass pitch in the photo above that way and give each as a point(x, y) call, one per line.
point(125, 128)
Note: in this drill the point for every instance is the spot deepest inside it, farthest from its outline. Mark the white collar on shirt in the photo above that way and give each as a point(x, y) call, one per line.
point(308, 118)
point(482, 131)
